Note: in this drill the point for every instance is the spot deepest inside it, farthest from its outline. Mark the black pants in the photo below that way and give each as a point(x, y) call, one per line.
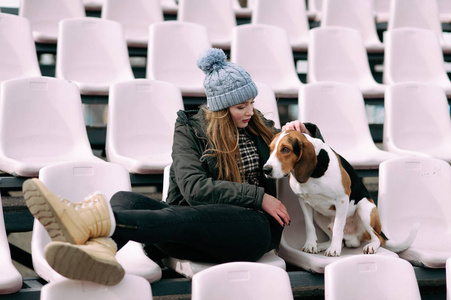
point(210, 233)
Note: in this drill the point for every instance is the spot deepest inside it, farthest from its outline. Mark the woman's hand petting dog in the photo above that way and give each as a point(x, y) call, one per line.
point(296, 125)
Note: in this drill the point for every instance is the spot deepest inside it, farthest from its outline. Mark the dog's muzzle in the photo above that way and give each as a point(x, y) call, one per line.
point(267, 170)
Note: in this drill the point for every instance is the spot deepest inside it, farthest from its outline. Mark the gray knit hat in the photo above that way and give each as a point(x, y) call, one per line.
point(226, 84)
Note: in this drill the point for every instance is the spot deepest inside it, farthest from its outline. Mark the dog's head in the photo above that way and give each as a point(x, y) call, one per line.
point(290, 151)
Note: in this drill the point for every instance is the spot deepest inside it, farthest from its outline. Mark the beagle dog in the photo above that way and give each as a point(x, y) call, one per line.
point(330, 193)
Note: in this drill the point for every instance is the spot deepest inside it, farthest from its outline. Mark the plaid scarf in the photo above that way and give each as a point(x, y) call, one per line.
point(249, 158)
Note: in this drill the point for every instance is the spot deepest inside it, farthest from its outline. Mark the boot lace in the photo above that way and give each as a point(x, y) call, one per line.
point(89, 201)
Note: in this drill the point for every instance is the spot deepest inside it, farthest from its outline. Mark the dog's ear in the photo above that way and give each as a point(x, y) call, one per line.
point(306, 161)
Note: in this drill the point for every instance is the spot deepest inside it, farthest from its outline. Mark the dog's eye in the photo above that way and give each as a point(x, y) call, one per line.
point(285, 150)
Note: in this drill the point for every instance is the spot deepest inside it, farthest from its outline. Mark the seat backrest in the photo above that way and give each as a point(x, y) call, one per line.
point(416, 116)
point(413, 54)
point(339, 110)
point(135, 16)
point(74, 181)
point(18, 52)
point(371, 277)
point(358, 15)
point(337, 54)
point(141, 117)
point(417, 13)
point(241, 280)
point(289, 14)
point(265, 52)
point(92, 50)
point(217, 16)
point(174, 48)
point(415, 190)
point(45, 15)
point(41, 117)
point(74, 290)
point(266, 103)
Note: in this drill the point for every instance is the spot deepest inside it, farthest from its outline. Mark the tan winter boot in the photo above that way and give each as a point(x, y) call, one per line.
point(67, 221)
point(94, 261)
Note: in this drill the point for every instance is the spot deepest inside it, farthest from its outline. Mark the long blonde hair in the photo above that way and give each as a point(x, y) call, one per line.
point(223, 141)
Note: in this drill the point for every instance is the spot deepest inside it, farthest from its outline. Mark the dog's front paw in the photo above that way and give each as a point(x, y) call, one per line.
point(371, 248)
point(310, 247)
point(333, 251)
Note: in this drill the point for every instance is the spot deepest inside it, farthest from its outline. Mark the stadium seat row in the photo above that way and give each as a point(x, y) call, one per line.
point(412, 190)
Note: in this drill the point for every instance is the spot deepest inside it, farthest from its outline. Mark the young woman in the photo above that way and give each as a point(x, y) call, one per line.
point(220, 207)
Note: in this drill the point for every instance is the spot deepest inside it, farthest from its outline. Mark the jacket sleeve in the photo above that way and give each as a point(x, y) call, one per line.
point(195, 182)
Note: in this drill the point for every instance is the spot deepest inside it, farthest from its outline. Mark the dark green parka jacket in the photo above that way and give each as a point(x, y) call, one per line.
point(194, 179)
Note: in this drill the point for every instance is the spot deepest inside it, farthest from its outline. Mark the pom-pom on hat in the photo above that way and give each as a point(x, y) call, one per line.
point(226, 84)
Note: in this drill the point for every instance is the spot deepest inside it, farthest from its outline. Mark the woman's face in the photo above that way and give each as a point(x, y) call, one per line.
point(242, 113)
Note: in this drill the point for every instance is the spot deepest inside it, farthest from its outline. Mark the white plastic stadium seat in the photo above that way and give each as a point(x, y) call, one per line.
point(93, 54)
point(293, 237)
point(217, 16)
point(339, 111)
point(422, 14)
point(416, 190)
point(41, 123)
point(131, 286)
point(45, 15)
point(413, 54)
point(135, 18)
point(265, 52)
point(417, 120)
point(338, 54)
point(75, 181)
point(10, 278)
point(18, 52)
point(370, 277)
point(291, 15)
point(266, 103)
point(188, 268)
point(358, 15)
point(242, 280)
point(172, 54)
point(141, 119)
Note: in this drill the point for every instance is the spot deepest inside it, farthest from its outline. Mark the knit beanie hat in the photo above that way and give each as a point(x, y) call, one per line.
point(226, 84)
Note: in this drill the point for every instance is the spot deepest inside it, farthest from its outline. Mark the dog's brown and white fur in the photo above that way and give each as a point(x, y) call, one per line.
point(323, 184)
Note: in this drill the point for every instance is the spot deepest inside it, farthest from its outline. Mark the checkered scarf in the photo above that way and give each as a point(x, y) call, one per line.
point(249, 158)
